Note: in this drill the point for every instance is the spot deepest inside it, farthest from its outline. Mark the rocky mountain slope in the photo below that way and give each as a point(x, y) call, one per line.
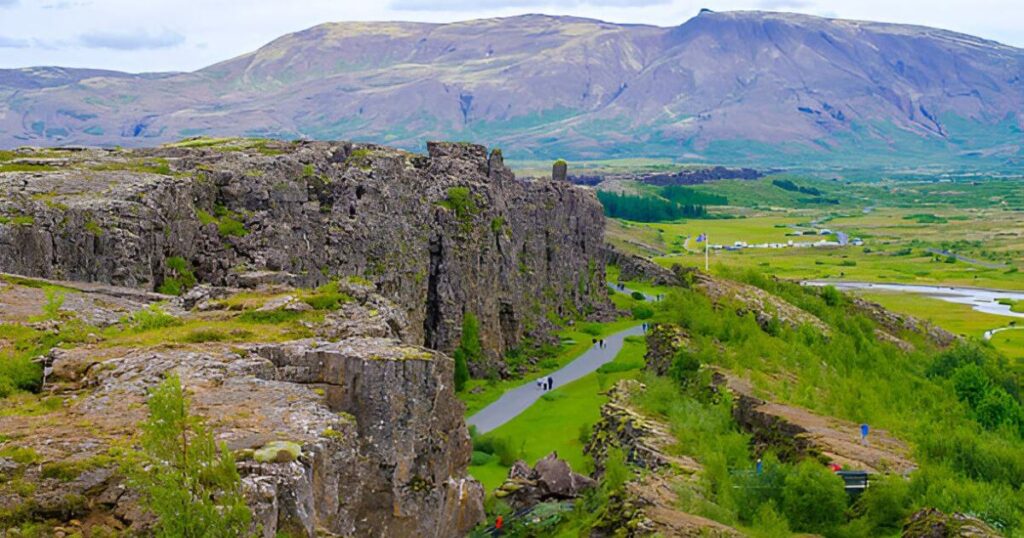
point(731, 87)
point(443, 235)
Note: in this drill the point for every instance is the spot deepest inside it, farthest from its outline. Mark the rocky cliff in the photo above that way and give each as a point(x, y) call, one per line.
point(441, 234)
point(339, 428)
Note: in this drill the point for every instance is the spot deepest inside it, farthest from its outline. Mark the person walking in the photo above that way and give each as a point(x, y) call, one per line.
point(551, 382)
point(499, 525)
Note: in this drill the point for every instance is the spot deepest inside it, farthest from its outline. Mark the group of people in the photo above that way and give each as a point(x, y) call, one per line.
point(546, 383)
point(599, 342)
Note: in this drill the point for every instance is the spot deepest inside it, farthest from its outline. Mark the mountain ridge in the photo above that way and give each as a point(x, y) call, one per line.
point(730, 87)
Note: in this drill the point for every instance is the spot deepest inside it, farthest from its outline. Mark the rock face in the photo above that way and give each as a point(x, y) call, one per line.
point(356, 435)
point(441, 235)
point(664, 340)
point(633, 267)
point(793, 433)
point(932, 523)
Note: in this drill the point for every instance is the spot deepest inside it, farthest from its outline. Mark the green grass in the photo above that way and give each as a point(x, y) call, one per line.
point(574, 342)
point(554, 422)
point(1010, 343)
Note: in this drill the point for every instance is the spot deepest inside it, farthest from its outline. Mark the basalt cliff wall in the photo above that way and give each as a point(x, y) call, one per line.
point(441, 234)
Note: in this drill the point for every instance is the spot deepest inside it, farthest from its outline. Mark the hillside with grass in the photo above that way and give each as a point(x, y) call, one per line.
point(736, 408)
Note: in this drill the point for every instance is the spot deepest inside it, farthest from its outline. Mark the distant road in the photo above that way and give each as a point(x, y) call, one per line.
point(987, 265)
point(519, 399)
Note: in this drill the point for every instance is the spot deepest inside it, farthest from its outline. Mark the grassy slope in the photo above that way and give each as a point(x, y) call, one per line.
point(554, 422)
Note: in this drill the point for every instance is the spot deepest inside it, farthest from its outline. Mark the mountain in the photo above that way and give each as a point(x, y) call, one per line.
point(732, 87)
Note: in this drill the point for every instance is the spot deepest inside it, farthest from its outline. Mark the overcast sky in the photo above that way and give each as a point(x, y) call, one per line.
point(183, 35)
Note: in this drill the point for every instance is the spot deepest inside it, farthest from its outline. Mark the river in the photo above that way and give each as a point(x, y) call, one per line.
point(980, 299)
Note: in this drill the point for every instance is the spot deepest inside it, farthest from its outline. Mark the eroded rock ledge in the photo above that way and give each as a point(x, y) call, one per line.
point(364, 432)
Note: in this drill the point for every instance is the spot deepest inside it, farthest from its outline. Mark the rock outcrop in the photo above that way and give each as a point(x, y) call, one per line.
point(893, 324)
point(440, 234)
point(551, 479)
point(932, 523)
point(664, 340)
point(355, 434)
point(632, 267)
point(793, 433)
point(648, 505)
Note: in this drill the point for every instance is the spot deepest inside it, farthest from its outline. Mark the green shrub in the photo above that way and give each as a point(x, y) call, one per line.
point(813, 498)
point(501, 447)
point(962, 354)
point(54, 301)
point(204, 335)
point(461, 370)
point(460, 200)
point(769, 523)
point(886, 503)
point(469, 341)
point(642, 312)
point(269, 317)
point(186, 480)
point(150, 318)
point(480, 458)
point(181, 276)
point(327, 297)
point(684, 368)
point(997, 407)
point(971, 384)
point(228, 222)
point(638, 296)
point(586, 430)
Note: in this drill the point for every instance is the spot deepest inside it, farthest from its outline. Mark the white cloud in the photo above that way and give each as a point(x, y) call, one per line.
point(13, 43)
point(134, 40)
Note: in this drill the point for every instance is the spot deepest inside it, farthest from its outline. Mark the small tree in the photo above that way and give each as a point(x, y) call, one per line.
point(470, 349)
point(461, 370)
point(192, 486)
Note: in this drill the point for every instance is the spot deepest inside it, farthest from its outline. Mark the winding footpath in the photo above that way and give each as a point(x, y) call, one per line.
point(515, 401)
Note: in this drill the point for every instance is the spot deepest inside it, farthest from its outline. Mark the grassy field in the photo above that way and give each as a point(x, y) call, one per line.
point(1011, 343)
point(671, 237)
point(479, 393)
point(853, 263)
point(555, 421)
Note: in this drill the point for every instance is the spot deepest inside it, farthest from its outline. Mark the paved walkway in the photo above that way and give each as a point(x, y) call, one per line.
point(629, 291)
point(517, 400)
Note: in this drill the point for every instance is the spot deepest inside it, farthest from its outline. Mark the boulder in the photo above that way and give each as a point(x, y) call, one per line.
point(551, 479)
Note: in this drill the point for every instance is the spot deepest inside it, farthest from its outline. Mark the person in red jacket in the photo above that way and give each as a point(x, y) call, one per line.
point(499, 522)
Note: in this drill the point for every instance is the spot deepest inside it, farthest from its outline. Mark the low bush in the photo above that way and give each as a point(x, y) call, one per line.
point(813, 498)
point(150, 318)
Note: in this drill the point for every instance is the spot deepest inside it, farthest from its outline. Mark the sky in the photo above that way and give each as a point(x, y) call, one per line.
point(184, 35)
